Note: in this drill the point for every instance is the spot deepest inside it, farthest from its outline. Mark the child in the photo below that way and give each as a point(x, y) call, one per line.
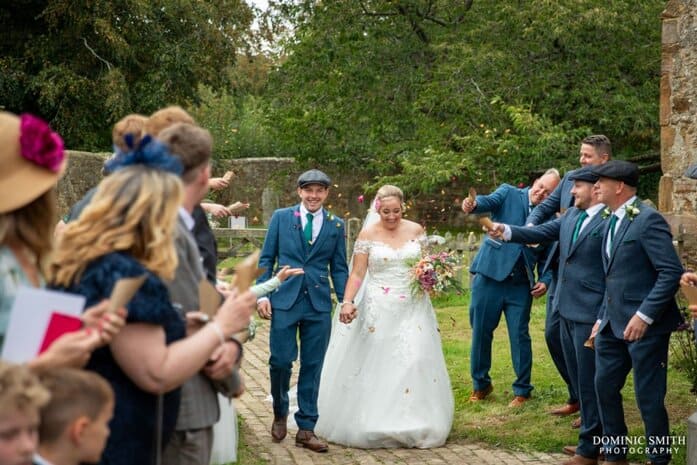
point(21, 397)
point(75, 422)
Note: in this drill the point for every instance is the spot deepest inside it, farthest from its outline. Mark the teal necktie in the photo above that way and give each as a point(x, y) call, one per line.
point(613, 222)
point(581, 218)
point(307, 232)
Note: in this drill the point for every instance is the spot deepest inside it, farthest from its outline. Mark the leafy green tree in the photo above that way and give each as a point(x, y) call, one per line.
point(83, 64)
point(420, 91)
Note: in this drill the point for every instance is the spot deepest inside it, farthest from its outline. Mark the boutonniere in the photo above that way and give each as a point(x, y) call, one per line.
point(605, 213)
point(631, 211)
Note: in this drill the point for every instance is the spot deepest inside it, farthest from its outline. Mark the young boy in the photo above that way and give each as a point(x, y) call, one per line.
point(75, 422)
point(21, 397)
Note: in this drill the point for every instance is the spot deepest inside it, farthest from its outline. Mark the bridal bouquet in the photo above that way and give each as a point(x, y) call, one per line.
point(435, 274)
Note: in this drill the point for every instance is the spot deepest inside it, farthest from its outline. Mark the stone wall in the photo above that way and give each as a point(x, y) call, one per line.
point(267, 183)
point(678, 96)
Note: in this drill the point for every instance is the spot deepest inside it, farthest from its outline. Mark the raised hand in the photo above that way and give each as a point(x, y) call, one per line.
point(468, 205)
point(286, 272)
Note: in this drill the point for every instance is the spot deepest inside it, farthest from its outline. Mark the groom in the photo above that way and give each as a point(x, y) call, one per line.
point(303, 236)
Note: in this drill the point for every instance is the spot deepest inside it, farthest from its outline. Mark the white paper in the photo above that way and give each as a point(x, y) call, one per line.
point(29, 318)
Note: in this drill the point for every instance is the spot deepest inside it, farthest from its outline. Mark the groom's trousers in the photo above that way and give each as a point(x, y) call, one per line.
point(312, 329)
point(490, 298)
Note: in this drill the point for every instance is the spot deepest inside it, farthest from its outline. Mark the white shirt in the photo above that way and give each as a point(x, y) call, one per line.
point(318, 218)
point(187, 218)
point(619, 213)
point(39, 460)
point(592, 211)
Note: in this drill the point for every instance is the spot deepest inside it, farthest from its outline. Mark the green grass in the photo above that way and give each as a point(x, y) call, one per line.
point(529, 428)
point(493, 422)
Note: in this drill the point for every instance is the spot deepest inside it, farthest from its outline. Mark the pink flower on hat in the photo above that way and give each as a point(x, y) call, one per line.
point(39, 144)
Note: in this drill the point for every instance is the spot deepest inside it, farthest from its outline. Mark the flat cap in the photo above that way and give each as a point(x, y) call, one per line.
point(583, 174)
point(314, 177)
point(619, 170)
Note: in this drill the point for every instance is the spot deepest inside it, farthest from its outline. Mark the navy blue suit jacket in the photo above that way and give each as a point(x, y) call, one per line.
point(285, 245)
point(496, 259)
point(642, 274)
point(581, 283)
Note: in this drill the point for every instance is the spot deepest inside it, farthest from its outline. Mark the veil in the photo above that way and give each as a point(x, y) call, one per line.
point(371, 218)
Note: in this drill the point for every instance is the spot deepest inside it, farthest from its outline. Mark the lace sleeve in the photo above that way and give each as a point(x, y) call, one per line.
point(361, 247)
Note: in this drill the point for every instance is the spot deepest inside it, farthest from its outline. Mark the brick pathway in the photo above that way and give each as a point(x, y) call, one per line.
point(256, 411)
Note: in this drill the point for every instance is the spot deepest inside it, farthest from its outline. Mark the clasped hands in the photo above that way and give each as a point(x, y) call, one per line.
point(348, 312)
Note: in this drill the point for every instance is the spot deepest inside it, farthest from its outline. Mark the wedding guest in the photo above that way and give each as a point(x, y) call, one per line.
point(594, 150)
point(75, 422)
point(127, 231)
point(504, 283)
point(642, 271)
point(384, 382)
point(21, 397)
point(581, 291)
point(32, 161)
point(303, 236)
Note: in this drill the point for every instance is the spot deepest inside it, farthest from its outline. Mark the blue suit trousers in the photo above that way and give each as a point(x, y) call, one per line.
point(489, 299)
point(554, 342)
point(613, 360)
point(580, 364)
point(313, 328)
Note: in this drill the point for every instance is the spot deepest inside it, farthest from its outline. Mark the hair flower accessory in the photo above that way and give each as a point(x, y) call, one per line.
point(39, 144)
point(150, 153)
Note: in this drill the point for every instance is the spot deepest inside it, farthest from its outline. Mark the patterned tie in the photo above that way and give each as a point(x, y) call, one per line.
point(613, 222)
point(581, 218)
point(307, 232)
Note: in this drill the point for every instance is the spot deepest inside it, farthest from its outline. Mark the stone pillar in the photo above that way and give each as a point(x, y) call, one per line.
point(269, 203)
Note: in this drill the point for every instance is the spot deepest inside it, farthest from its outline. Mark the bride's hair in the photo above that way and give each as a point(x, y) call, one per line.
point(389, 190)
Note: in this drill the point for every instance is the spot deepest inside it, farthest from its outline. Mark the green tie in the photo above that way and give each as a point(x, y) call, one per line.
point(613, 221)
point(581, 218)
point(308, 228)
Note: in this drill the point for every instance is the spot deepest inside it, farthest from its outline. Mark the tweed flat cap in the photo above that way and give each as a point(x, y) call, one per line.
point(583, 174)
point(314, 177)
point(620, 170)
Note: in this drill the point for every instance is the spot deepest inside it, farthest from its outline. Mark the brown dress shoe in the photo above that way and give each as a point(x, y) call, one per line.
point(481, 395)
point(279, 428)
point(567, 409)
point(307, 439)
point(580, 460)
point(518, 401)
point(569, 450)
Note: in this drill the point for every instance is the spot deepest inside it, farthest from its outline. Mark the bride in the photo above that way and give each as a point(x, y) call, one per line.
point(384, 382)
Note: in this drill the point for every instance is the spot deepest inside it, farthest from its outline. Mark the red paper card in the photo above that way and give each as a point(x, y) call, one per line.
point(58, 325)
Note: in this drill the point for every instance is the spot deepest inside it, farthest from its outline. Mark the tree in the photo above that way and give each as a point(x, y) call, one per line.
point(83, 64)
point(423, 90)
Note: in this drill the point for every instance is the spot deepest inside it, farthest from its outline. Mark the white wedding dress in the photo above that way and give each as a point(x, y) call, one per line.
point(384, 382)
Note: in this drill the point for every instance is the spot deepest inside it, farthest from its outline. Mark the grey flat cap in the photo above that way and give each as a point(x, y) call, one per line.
point(314, 177)
point(620, 170)
point(583, 174)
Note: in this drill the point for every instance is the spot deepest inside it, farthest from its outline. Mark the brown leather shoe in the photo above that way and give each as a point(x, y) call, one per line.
point(580, 460)
point(567, 409)
point(518, 401)
point(307, 439)
point(279, 428)
point(569, 450)
point(576, 424)
point(481, 395)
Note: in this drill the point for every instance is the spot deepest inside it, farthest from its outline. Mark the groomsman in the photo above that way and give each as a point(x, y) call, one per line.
point(595, 150)
point(642, 271)
point(580, 293)
point(504, 283)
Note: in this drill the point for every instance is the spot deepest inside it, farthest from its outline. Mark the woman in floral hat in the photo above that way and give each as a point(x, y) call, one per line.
point(31, 162)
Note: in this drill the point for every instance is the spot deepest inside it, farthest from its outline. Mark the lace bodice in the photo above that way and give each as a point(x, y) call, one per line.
point(389, 267)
